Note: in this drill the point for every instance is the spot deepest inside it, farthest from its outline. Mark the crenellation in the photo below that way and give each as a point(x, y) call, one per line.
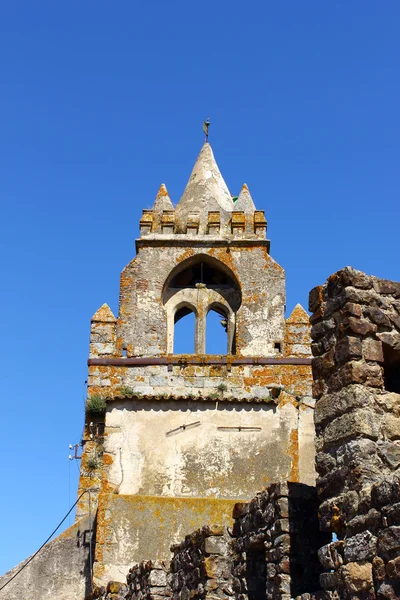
point(146, 222)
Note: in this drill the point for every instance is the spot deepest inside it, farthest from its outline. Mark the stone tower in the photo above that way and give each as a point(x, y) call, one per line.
point(172, 441)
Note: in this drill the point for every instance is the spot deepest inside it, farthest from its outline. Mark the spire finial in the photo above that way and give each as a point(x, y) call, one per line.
point(206, 125)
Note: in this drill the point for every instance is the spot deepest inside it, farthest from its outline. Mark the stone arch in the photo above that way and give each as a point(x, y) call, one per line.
point(202, 283)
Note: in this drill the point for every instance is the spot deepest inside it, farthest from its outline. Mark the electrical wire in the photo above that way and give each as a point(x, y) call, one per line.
point(49, 538)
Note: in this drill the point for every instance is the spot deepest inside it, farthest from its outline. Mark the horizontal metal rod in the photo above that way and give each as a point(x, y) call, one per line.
point(196, 360)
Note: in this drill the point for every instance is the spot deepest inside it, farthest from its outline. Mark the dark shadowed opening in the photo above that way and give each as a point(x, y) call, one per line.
point(391, 368)
point(204, 270)
point(256, 574)
point(216, 332)
point(305, 539)
point(184, 331)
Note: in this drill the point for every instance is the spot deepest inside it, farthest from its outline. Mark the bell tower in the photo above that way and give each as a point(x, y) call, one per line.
point(180, 438)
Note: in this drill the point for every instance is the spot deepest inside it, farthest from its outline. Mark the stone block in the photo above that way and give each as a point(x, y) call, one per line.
point(319, 330)
point(378, 317)
point(392, 339)
point(323, 365)
point(360, 547)
point(387, 592)
point(324, 462)
point(372, 350)
point(383, 286)
point(378, 568)
point(216, 545)
point(361, 422)
point(392, 514)
point(389, 453)
point(359, 326)
point(356, 372)
point(393, 568)
point(356, 578)
point(215, 566)
point(389, 542)
point(328, 581)
point(351, 309)
point(331, 406)
point(315, 298)
point(391, 427)
point(157, 578)
point(348, 348)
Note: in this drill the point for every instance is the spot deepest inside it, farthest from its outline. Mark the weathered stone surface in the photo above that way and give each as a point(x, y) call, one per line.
point(362, 422)
point(360, 547)
point(357, 578)
point(334, 405)
point(389, 542)
point(215, 545)
point(358, 452)
point(391, 427)
point(390, 453)
point(60, 570)
point(372, 350)
point(391, 339)
point(387, 592)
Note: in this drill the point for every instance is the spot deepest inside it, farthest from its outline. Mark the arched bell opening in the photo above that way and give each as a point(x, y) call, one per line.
point(184, 341)
point(202, 284)
point(219, 330)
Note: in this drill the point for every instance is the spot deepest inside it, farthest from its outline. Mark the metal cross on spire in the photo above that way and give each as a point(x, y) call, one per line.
point(206, 125)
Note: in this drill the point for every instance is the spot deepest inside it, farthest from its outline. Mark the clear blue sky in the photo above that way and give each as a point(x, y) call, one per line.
point(100, 102)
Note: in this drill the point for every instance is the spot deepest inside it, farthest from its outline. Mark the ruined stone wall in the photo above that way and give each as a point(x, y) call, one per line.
point(276, 537)
point(148, 580)
point(201, 565)
point(356, 341)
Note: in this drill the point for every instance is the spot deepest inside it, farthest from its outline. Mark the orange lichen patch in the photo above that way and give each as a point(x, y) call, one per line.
point(162, 192)
point(293, 452)
point(167, 515)
point(270, 263)
point(285, 399)
point(104, 315)
point(108, 459)
point(337, 523)
point(299, 315)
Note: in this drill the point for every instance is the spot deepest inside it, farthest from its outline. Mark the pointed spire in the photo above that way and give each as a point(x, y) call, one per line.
point(104, 315)
point(299, 315)
point(245, 201)
point(206, 188)
point(162, 201)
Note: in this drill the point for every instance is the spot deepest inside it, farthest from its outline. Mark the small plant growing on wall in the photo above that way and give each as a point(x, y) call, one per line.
point(92, 463)
point(96, 404)
point(222, 388)
point(124, 391)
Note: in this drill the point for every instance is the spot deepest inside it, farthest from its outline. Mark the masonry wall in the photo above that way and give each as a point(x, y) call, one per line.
point(61, 570)
point(276, 537)
point(356, 344)
point(169, 466)
point(142, 324)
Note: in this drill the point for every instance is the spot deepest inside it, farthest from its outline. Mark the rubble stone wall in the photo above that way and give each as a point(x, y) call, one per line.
point(276, 538)
point(145, 581)
point(356, 343)
point(201, 566)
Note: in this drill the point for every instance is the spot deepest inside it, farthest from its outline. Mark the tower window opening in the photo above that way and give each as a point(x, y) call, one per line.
point(391, 368)
point(278, 347)
point(216, 332)
point(184, 331)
